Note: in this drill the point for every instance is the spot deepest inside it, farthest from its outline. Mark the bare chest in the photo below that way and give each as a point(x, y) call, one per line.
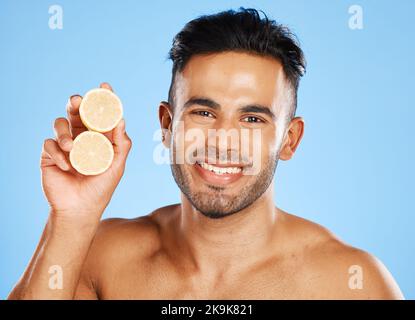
point(162, 281)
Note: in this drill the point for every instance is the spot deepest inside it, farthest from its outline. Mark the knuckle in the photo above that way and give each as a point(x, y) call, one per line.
point(64, 137)
point(57, 155)
point(60, 157)
point(128, 142)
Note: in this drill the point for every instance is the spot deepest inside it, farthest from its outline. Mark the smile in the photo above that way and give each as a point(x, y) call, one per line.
point(218, 174)
point(220, 170)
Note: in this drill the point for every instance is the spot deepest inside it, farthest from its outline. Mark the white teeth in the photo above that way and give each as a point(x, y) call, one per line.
point(219, 170)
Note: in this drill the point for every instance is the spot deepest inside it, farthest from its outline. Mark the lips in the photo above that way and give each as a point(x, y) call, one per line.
point(219, 174)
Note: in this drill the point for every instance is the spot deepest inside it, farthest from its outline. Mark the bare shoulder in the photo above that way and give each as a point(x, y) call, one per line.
point(337, 270)
point(121, 247)
point(122, 240)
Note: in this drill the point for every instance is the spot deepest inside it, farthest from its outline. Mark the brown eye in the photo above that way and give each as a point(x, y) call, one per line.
point(252, 119)
point(203, 113)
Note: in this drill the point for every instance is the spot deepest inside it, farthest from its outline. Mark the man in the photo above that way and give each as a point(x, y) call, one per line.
point(226, 239)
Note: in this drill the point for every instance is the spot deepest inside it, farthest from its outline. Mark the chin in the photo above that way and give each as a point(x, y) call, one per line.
point(214, 205)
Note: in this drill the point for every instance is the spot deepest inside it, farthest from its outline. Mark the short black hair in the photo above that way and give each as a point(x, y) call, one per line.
point(244, 31)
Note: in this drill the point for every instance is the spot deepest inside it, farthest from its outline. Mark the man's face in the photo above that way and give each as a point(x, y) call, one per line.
point(247, 98)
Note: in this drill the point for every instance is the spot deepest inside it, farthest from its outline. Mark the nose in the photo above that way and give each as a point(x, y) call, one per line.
point(224, 137)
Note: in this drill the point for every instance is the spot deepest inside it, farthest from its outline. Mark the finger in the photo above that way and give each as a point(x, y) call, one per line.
point(72, 108)
point(122, 143)
point(51, 149)
point(106, 85)
point(110, 135)
point(63, 134)
point(46, 160)
point(73, 104)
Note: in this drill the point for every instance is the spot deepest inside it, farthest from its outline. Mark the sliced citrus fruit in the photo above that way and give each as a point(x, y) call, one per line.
point(92, 153)
point(100, 110)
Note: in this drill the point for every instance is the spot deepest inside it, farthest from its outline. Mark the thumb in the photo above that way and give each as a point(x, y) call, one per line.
point(122, 143)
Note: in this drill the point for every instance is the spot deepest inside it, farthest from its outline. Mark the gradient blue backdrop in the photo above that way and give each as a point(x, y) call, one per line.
point(352, 173)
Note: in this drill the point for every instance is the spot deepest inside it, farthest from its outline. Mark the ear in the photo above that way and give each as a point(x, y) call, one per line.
point(292, 139)
point(165, 118)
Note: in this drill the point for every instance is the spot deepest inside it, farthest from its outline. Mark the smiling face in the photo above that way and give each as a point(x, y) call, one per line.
point(241, 95)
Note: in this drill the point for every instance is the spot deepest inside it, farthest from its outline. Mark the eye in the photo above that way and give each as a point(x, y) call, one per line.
point(203, 113)
point(252, 119)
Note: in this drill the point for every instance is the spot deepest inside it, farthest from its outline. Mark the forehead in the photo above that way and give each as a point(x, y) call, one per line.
point(232, 77)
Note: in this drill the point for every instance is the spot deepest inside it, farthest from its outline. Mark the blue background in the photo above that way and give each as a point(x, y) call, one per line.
point(352, 173)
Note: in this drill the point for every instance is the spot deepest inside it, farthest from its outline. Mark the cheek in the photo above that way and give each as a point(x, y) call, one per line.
point(263, 142)
point(189, 144)
point(270, 147)
point(263, 148)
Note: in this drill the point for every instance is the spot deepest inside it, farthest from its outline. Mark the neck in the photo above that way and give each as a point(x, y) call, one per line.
point(230, 242)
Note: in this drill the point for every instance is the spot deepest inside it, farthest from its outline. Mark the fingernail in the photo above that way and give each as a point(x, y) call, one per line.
point(75, 97)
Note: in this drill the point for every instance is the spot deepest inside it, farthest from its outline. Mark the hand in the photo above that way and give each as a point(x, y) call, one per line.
point(70, 194)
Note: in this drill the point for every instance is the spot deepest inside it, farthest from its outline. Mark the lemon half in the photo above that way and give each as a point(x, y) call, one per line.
point(100, 110)
point(92, 153)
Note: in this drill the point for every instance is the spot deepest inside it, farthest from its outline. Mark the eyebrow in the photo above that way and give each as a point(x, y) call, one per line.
point(255, 108)
point(202, 102)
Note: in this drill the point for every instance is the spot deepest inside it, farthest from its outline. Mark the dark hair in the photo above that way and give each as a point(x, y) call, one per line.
point(241, 30)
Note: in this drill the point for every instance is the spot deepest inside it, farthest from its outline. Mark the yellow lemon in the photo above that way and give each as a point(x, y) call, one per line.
point(92, 153)
point(100, 110)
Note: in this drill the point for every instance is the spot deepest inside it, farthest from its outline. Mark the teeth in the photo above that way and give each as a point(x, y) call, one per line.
point(218, 170)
